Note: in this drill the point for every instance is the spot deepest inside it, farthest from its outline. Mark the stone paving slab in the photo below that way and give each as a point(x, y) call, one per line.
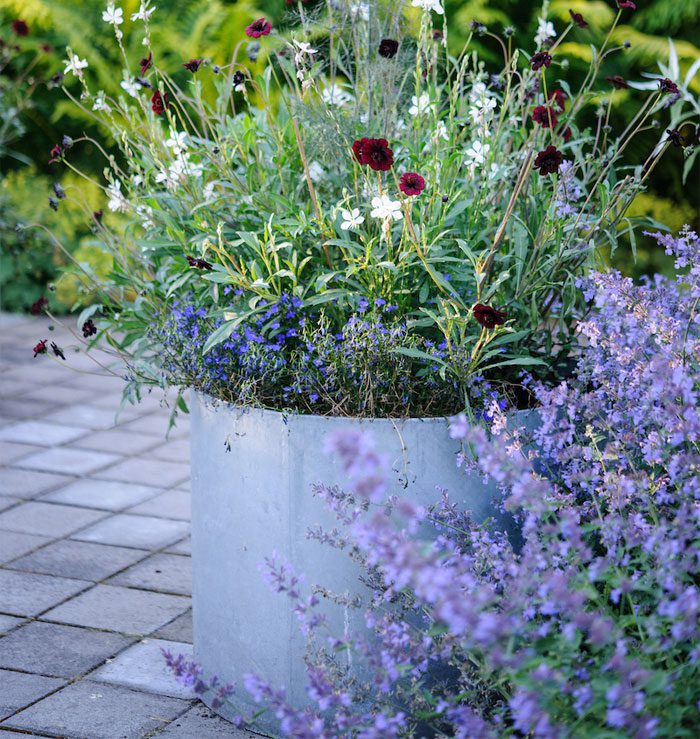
point(147, 472)
point(143, 667)
point(47, 519)
point(182, 547)
point(7, 623)
point(29, 483)
point(7, 502)
point(171, 504)
point(57, 650)
point(28, 594)
point(80, 560)
point(41, 433)
point(164, 573)
point(10, 451)
point(115, 608)
point(20, 689)
point(92, 417)
point(14, 544)
point(91, 710)
point(68, 461)
point(177, 450)
point(178, 630)
point(108, 495)
point(116, 441)
point(140, 532)
point(201, 723)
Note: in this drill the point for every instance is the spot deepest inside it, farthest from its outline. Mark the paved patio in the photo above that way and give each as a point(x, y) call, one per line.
point(94, 552)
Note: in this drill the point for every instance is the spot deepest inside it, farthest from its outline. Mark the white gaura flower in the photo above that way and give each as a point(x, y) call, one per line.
point(441, 132)
point(336, 95)
point(177, 141)
point(145, 213)
point(75, 64)
point(100, 102)
point(419, 104)
point(130, 86)
point(117, 202)
point(113, 15)
point(435, 5)
point(360, 10)
point(545, 31)
point(208, 191)
point(477, 153)
point(303, 49)
point(144, 13)
point(385, 208)
point(351, 218)
point(316, 172)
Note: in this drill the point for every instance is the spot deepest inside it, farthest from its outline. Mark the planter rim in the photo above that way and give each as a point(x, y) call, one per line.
point(319, 418)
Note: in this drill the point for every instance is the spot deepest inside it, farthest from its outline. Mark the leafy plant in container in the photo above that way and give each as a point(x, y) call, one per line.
point(371, 232)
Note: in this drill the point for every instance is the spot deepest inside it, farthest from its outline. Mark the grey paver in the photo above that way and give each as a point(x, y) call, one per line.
point(141, 532)
point(181, 547)
point(153, 424)
point(201, 723)
point(166, 573)
point(28, 594)
point(67, 461)
point(87, 416)
point(7, 623)
point(120, 609)
point(54, 397)
point(172, 451)
point(116, 441)
point(29, 483)
point(48, 519)
point(40, 433)
point(143, 667)
point(171, 504)
point(57, 650)
point(7, 502)
point(178, 630)
point(10, 451)
point(147, 472)
point(80, 560)
point(14, 544)
point(21, 409)
point(90, 710)
point(19, 690)
point(108, 495)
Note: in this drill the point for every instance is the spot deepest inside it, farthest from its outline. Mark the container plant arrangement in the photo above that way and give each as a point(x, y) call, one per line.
point(346, 225)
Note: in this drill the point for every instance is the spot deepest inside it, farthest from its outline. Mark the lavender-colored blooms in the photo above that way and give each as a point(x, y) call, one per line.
point(590, 627)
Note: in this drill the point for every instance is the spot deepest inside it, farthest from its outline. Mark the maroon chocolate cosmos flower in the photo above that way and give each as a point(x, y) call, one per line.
point(545, 116)
point(559, 97)
point(56, 154)
point(375, 153)
point(668, 87)
point(40, 348)
point(89, 328)
point(259, 28)
point(198, 263)
point(20, 28)
point(618, 82)
point(159, 102)
point(58, 351)
point(540, 59)
point(388, 48)
point(675, 137)
point(437, 34)
point(146, 63)
point(626, 4)
point(549, 160)
point(97, 215)
point(487, 316)
point(411, 183)
point(38, 306)
point(578, 19)
point(193, 65)
point(564, 132)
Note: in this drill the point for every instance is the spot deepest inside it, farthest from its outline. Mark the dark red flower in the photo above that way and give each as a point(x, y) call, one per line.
point(58, 351)
point(388, 48)
point(437, 34)
point(89, 328)
point(564, 132)
point(545, 116)
point(193, 65)
point(198, 263)
point(626, 4)
point(578, 19)
point(668, 87)
point(618, 82)
point(46, 48)
point(159, 102)
point(38, 306)
point(411, 183)
point(97, 215)
point(375, 153)
point(20, 28)
point(540, 59)
point(56, 154)
point(549, 160)
point(559, 97)
point(40, 348)
point(675, 137)
point(487, 316)
point(259, 28)
point(146, 64)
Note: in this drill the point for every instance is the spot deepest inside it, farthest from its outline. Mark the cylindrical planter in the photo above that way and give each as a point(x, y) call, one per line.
point(252, 472)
